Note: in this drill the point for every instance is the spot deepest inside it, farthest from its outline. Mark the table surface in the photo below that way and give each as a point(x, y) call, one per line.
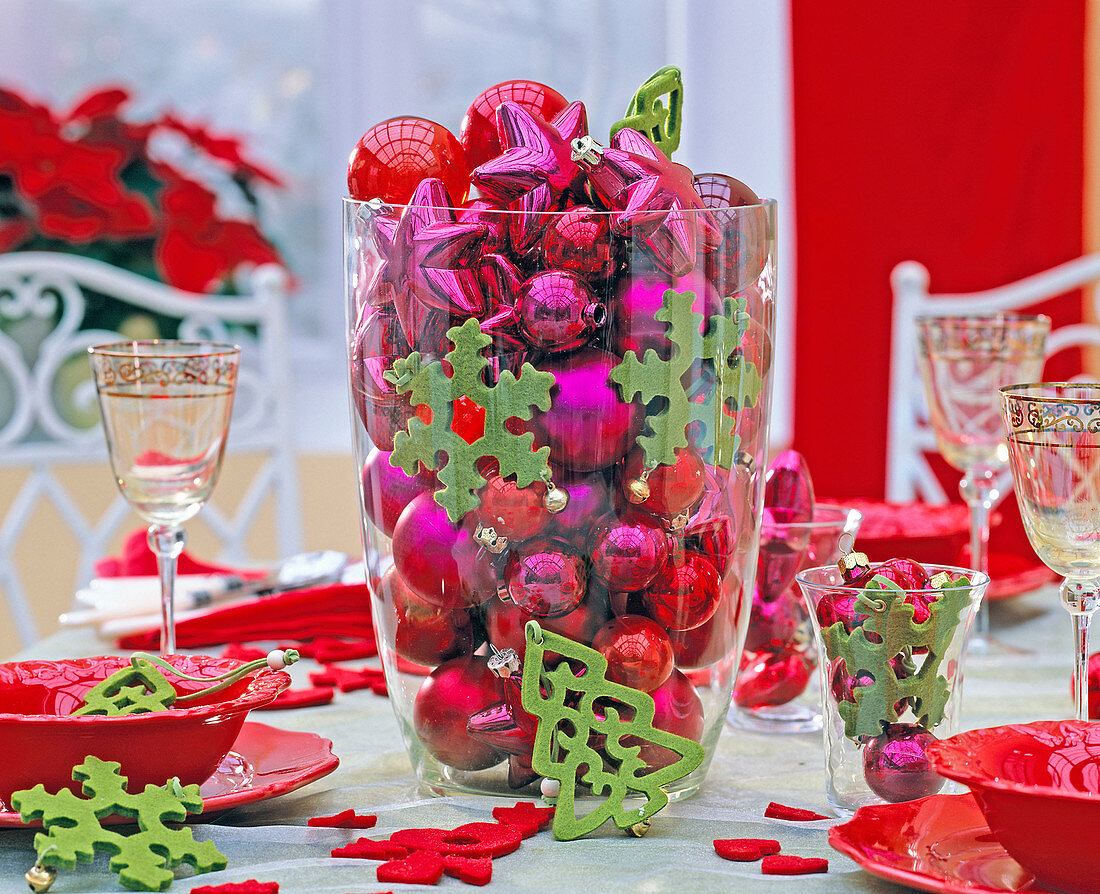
point(269, 841)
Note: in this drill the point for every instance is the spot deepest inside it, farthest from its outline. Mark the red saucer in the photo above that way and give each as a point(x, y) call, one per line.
point(265, 762)
point(940, 843)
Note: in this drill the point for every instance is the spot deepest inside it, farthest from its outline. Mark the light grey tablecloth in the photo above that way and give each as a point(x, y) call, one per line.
point(269, 841)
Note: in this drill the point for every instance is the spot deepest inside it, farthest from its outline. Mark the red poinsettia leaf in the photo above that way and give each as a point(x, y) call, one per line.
point(10, 101)
point(99, 104)
point(246, 243)
point(13, 233)
point(185, 264)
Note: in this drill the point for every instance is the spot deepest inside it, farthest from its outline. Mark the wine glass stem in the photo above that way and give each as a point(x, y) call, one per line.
point(166, 542)
point(980, 489)
point(1080, 598)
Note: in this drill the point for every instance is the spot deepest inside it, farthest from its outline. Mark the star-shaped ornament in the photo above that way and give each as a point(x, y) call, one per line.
point(506, 725)
point(655, 198)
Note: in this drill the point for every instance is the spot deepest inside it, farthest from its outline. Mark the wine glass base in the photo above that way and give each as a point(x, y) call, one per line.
point(782, 719)
point(984, 647)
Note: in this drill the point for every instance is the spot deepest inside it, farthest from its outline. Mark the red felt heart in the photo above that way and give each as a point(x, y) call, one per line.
point(348, 679)
point(745, 850)
point(786, 864)
point(525, 816)
point(420, 868)
point(368, 849)
point(471, 870)
point(345, 819)
point(795, 814)
point(250, 887)
point(299, 698)
point(469, 840)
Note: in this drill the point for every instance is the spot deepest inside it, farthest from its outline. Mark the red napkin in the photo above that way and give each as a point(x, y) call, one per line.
point(137, 559)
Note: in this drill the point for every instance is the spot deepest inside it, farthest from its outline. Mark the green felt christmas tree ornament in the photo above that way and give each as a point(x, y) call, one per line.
point(73, 834)
point(565, 703)
point(656, 109)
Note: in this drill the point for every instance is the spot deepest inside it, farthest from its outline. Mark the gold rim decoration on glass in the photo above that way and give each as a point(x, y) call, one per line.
point(165, 407)
point(964, 361)
point(1054, 451)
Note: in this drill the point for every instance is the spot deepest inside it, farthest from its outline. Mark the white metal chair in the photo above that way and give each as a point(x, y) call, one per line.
point(48, 414)
point(909, 437)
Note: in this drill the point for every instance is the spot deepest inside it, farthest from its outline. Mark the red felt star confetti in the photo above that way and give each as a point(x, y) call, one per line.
point(786, 864)
point(469, 840)
point(525, 816)
point(420, 868)
point(348, 679)
point(300, 698)
point(745, 850)
point(369, 849)
point(345, 819)
point(776, 810)
point(471, 870)
point(250, 887)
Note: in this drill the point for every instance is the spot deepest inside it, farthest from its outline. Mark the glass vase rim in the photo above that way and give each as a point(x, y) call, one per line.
point(1010, 317)
point(174, 348)
point(816, 525)
point(349, 202)
point(1021, 391)
point(978, 579)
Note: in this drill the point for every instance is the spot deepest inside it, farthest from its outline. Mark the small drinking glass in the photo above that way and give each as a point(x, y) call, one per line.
point(165, 407)
point(1054, 452)
point(964, 360)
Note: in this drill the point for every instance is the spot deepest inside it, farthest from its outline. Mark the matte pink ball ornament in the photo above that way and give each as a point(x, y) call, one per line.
point(627, 552)
point(557, 312)
point(638, 298)
point(452, 693)
point(896, 765)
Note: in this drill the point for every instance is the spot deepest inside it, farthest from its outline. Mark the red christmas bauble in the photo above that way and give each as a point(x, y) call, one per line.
point(545, 577)
point(772, 678)
point(843, 685)
point(478, 132)
point(740, 258)
point(638, 652)
point(424, 633)
point(677, 709)
point(512, 511)
point(712, 640)
point(788, 487)
point(718, 524)
point(441, 562)
point(579, 241)
point(896, 765)
point(908, 575)
point(587, 426)
point(557, 312)
point(377, 342)
point(667, 490)
point(505, 623)
point(446, 700)
point(387, 490)
point(627, 552)
point(391, 159)
point(776, 624)
point(685, 592)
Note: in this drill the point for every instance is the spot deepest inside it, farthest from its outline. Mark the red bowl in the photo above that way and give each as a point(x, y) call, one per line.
point(1038, 786)
point(41, 742)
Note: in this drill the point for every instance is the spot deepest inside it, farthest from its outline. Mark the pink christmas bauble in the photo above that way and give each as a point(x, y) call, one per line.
point(589, 500)
point(627, 552)
point(376, 343)
point(677, 709)
point(557, 312)
point(638, 652)
point(776, 623)
point(685, 591)
point(441, 562)
point(896, 765)
point(587, 426)
point(545, 577)
point(772, 678)
point(668, 490)
point(387, 490)
point(424, 634)
point(446, 700)
point(638, 298)
point(391, 159)
point(579, 241)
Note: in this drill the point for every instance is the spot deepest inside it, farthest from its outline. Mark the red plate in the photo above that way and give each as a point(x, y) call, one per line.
point(940, 843)
point(265, 762)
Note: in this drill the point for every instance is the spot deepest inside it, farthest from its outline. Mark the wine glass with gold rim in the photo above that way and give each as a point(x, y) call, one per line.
point(1054, 452)
point(165, 407)
point(964, 360)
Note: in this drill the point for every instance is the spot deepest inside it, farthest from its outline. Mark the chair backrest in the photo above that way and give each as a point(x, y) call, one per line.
point(50, 303)
point(910, 437)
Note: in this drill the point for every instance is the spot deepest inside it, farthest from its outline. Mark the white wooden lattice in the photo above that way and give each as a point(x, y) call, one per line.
point(48, 415)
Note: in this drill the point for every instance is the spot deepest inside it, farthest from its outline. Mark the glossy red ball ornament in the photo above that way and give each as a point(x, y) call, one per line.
point(665, 490)
point(478, 131)
point(740, 258)
point(545, 577)
point(627, 552)
point(638, 298)
point(685, 592)
point(580, 241)
point(677, 709)
point(441, 562)
point(638, 652)
point(512, 511)
point(424, 633)
point(587, 426)
point(376, 344)
point(391, 159)
point(776, 624)
point(387, 490)
point(896, 765)
point(712, 640)
point(717, 527)
point(768, 679)
point(908, 575)
point(788, 488)
point(451, 694)
point(505, 623)
point(557, 312)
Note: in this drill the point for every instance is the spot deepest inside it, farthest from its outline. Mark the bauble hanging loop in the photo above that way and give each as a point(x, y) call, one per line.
point(488, 537)
point(587, 150)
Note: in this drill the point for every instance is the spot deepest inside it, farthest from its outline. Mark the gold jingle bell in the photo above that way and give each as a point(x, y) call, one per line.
point(639, 829)
point(40, 877)
point(556, 499)
point(638, 488)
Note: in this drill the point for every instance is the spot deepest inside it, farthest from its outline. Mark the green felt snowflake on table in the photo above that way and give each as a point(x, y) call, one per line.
point(737, 381)
point(888, 631)
point(649, 113)
point(511, 397)
point(144, 859)
point(565, 702)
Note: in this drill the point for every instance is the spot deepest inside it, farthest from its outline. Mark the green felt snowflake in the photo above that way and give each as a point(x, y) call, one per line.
point(143, 860)
point(511, 397)
point(565, 703)
point(137, 688)
point(649, 113)
point(737, 381)
point(888, 631)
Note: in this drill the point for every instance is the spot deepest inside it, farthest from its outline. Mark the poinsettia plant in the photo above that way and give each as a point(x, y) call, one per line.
point(145, 196)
